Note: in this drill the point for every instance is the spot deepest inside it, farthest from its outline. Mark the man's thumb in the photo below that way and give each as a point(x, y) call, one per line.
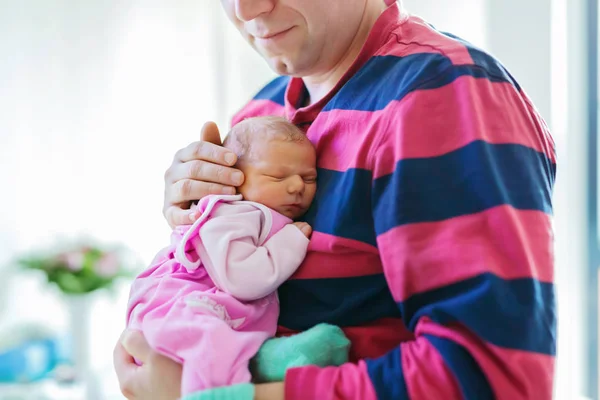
point(210, 133)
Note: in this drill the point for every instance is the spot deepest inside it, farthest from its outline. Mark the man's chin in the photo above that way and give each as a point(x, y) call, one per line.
point(282, 65)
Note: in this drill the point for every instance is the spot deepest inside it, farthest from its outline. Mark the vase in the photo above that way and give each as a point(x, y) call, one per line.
point(80, 317)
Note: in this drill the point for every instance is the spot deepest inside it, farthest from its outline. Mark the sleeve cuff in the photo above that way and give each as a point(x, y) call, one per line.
point(348, 382)
point(303, 383)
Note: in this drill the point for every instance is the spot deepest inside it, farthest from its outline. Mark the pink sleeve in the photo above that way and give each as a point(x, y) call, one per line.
point(360, 381)
point(238, 265)
point(313, 382)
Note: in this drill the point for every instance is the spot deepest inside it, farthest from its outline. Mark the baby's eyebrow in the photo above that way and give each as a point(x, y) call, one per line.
point(286, 170)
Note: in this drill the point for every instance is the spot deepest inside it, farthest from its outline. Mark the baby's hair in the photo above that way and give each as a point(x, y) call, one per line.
point(240, 137)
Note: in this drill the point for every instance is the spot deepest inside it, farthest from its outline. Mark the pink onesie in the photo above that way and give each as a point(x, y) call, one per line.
point(209, 300)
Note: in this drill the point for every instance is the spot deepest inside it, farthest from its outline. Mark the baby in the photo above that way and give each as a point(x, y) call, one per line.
point(209, 300)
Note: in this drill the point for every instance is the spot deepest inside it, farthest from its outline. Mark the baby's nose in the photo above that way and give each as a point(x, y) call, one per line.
point(296, 185)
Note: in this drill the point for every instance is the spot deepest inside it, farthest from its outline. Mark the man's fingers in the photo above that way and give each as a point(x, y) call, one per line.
point(186, 190)
point(206, 151)
point(135, 344)
point(176, 216)
point(122, 359)
point(125, 369)
point(209, 148)
point(210, 133)
point(204, 171)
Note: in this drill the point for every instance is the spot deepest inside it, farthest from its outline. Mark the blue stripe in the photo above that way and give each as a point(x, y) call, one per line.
point(516, 314)
point(343, 302)
point(473, 383)
point(485, 60)
point(387, 376)
point(274, 90)
point(342, 205)
point(471, 179)
point(384, 79)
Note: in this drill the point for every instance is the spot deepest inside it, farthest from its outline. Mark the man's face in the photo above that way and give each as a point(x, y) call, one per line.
point(298, 37)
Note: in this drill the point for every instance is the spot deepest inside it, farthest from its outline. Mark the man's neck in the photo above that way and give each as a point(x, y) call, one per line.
point(319, 85)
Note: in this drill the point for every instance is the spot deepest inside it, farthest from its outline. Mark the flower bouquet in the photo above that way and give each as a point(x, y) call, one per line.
point(80, 269)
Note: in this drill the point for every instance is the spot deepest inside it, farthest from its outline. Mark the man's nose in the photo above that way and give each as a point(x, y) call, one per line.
point(247, 10)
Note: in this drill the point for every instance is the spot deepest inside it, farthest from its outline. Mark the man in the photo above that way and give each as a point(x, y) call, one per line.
point(432, 243)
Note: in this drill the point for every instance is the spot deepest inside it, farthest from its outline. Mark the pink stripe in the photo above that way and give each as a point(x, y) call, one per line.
point(504, 241)
point(512, 374)
point(347, 139)
point(425, 372)
point(256, 108)
point(335, 257)
point(347, 382)
point(416, 37)
point(427, 123)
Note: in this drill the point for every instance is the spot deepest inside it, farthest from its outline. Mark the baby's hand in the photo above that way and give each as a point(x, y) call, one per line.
point(304, 227)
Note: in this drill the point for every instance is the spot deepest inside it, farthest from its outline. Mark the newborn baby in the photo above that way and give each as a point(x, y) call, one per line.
point(209, 300)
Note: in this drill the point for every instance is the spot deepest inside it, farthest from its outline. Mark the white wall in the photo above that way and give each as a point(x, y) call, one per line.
point(464, 18)
point(519, 35)
point(570, 92)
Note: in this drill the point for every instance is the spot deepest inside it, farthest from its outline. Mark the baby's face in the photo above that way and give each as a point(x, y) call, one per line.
point(282, 176)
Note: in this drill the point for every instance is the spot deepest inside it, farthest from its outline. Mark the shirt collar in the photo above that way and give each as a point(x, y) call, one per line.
point(390, 18)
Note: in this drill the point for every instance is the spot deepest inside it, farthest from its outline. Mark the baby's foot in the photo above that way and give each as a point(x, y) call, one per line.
point(322, 345)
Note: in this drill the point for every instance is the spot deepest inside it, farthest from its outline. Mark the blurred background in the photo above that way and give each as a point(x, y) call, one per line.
point(95, 98)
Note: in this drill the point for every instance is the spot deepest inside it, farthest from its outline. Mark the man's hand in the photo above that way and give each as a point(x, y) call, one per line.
point(158, 378)
point(200, 169)
point(269, 391)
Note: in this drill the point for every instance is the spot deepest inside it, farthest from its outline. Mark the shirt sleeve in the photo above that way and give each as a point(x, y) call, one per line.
point(461, 201)
point(239, 265)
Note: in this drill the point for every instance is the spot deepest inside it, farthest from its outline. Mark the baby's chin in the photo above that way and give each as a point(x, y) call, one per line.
point(291, 212)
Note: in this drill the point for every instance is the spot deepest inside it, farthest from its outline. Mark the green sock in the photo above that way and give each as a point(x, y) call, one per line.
point(322, 345)
point(244, 391)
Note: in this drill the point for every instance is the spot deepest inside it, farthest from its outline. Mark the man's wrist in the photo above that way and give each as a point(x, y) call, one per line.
point(269, 391)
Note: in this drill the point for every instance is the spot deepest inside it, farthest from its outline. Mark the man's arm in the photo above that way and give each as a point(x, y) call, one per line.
point(239, 265)
point(461, 202)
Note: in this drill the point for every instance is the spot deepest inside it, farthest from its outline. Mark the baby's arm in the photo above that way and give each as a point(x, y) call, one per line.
point(241, 267)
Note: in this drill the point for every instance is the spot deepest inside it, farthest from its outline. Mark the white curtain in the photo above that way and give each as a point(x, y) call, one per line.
point(95, 98)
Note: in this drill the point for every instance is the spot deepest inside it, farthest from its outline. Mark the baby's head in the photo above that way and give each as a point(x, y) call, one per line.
point(278, 161)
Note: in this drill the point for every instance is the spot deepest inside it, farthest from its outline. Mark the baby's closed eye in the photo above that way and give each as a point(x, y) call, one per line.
point(276, 177)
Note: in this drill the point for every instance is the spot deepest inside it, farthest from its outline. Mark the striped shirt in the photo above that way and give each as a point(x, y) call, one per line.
point(432, 244)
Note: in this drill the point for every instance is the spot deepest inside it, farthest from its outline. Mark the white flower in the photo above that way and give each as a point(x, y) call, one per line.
point(74, 260)
point(108, 265)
